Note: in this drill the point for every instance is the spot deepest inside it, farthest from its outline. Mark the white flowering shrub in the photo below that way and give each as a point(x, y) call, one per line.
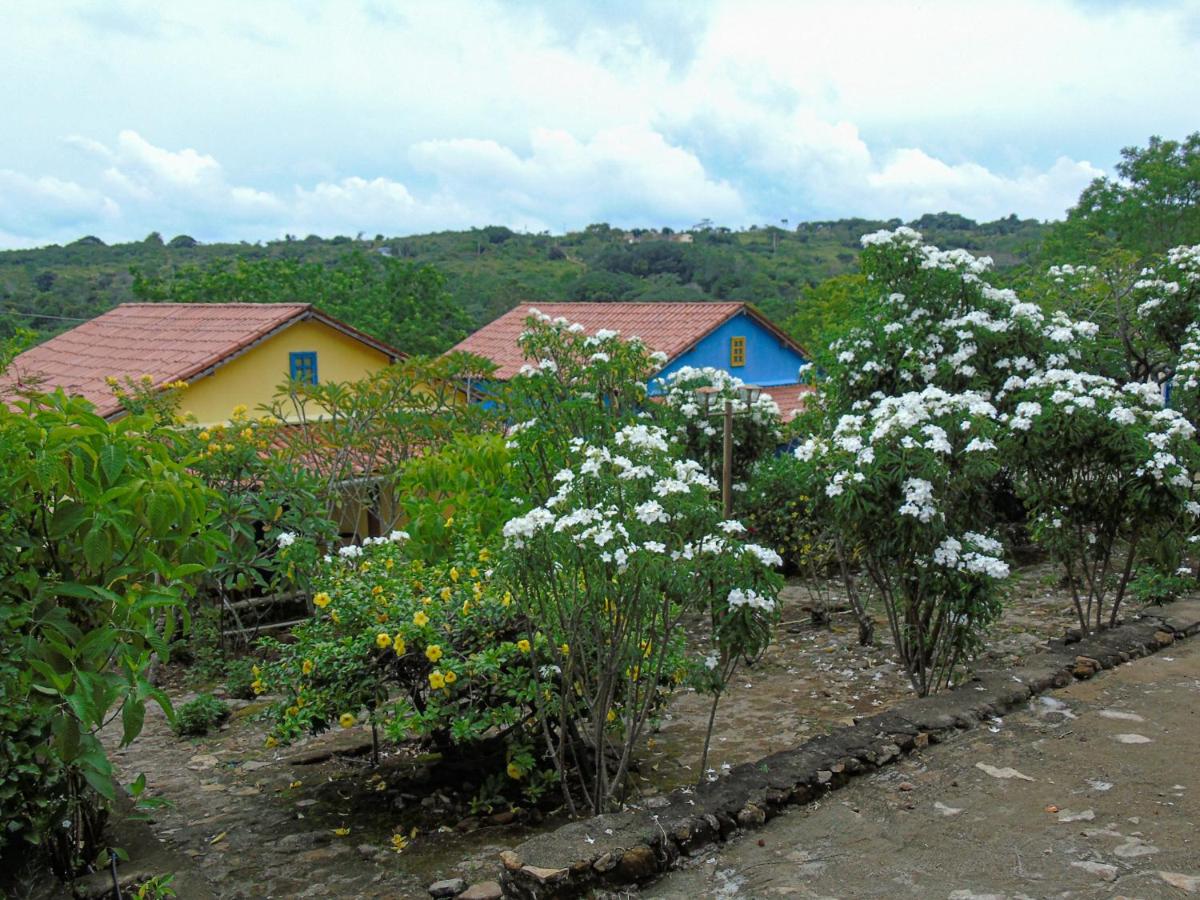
point(574, 385)
point(1106, 473)
point(695, 418)
point(934, 320)
point(629, 545)
point(907, 484)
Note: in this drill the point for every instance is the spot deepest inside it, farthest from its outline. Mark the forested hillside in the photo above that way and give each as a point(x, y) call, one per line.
point(478, 274)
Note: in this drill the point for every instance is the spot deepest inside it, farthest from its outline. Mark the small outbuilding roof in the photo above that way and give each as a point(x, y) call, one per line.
point(669, 327)
point(167, 341)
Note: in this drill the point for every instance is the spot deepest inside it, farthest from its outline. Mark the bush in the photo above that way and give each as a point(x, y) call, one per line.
point(104, 528)
point(239, 679)
point(1150, 584)
point(433, 651)
point(200, 716)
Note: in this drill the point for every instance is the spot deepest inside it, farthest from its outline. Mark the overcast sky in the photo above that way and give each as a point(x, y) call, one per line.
point(249, 120)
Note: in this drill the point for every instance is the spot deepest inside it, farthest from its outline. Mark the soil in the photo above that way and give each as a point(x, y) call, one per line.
point(316, 819)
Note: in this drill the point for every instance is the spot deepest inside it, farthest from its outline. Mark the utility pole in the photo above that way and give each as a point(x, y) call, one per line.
point(727, 462)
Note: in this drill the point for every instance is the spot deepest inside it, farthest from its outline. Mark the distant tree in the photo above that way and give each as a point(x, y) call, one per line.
point(182, 241)
point(153, 239)
point(1152, 205)
point(401, 303)
point(44, 281)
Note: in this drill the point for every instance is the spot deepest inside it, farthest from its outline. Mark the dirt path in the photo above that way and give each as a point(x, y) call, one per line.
point(1090, 792)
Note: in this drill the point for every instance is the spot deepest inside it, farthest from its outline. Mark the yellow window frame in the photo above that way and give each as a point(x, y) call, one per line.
point(737, 352)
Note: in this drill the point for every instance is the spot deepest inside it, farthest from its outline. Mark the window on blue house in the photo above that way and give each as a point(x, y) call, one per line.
point(737, 351)
point(303, 366)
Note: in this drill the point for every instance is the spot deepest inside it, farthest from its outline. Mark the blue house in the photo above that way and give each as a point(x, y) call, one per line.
point(734, 337)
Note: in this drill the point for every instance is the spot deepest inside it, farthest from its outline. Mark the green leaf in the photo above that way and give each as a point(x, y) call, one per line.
point(97, 546)
point(112, 461)
point(133, 715)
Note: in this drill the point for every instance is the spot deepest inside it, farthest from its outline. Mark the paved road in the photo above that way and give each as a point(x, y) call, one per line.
point(1093, 791)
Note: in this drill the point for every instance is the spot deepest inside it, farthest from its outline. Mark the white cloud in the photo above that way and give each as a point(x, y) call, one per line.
point(248, 120)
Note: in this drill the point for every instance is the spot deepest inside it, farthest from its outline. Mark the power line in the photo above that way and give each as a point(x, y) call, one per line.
point(18, 312)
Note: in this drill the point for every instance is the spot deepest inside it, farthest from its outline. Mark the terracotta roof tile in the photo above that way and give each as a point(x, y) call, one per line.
point(667, 326)
point(790, 398)
point(167, 341)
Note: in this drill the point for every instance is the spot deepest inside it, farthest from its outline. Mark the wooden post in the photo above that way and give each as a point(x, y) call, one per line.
point(727, 462)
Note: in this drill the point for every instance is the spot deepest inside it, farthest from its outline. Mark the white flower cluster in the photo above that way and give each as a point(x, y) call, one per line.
point(976, 553)
point(285, 539)
point(918, 500)
point(753, 599)
point(679, 388)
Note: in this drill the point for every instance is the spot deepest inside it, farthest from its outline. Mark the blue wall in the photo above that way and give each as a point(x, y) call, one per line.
point(769, 362)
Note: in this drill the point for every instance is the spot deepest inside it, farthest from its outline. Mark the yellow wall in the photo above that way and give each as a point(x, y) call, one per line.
point(251, 379)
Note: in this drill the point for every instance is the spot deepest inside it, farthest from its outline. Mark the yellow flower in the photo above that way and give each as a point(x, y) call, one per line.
point(399, 842)
point(449, 521)
point(306, 667)
point(381, 617)
point(451, 677)
point(565, 649)
point(110, 381)
point(293, 710)
point(255, 671)
point(612, 715)
point(425, 601)
point(257, 686)
point(321, 600)
point(204, 436)
point(383, 640)
point(477, 590)
point(387, 564)
point(433, 653)
point(444, 593)
point(377, 590)
point(454, 574)
point(420, 619)
point(240, 410)
point(398, 645)
point(341, 832)
point(300, 701)
point(335, 617)
point(484, 555)
point(247, 433)
point(474, 573)
point(437, 680)
point(295, 784)
point(214, 447)
point(507, 598)
point(466, 607)
point(270, 742)
point(514, 771)
point(523, 645)
point(347, 720)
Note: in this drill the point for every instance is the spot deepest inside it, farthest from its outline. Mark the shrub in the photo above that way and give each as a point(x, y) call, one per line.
point(103, 527)
point(239, 679)
point(199, 716)
point(431, 651)
point(608, 568)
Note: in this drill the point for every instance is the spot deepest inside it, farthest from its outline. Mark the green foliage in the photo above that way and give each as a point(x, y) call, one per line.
point(826, 312)
point(401, 303)
point(239, 679)
point(1151, 585)
point(200, 715)
point(437, 652)
point(1153, 204)
point(104, 530)
point(484, 276)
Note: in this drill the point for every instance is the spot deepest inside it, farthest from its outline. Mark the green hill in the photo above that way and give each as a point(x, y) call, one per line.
point(489, 270)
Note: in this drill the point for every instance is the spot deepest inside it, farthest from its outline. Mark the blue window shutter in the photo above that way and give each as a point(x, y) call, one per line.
point(302, 366)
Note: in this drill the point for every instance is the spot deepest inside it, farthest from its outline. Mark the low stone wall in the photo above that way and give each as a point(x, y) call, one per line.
point(613, 851)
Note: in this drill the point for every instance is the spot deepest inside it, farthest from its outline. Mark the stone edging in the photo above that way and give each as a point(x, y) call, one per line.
point(634, 846)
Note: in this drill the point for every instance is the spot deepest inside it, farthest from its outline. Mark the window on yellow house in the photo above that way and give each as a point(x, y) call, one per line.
point(737, 351)
point(303, 366)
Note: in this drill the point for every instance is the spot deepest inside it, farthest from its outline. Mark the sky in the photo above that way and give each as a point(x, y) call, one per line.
point(251, 120)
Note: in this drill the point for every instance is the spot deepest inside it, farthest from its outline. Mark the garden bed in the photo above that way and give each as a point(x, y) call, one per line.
point(315, 817)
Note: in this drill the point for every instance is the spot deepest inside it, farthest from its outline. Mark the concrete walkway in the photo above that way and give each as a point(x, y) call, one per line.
point(1092, 791)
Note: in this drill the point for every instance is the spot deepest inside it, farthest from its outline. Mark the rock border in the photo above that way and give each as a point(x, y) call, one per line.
point(614, 851)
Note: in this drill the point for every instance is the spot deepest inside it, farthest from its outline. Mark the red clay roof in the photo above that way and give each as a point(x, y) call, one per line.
point(666, 326)
point(790, 398)
point(167, 341)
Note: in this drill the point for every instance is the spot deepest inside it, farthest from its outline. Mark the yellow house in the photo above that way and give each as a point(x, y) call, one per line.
point(229, 354)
